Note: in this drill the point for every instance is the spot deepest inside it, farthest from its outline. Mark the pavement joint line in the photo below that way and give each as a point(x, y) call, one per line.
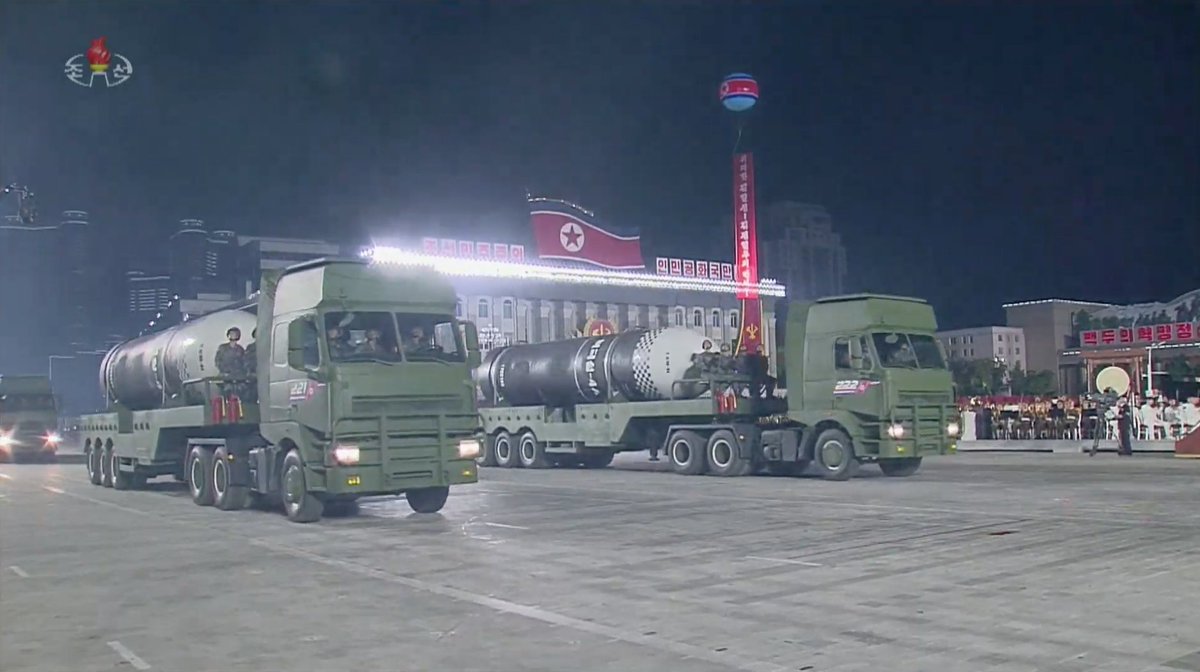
point(129, 656)
point(505, 526)
point(873, 507)
point(535, 613)
point(786, 561)
point(18, 571)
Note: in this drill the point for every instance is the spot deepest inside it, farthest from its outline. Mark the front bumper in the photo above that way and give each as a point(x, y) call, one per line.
point(368, 480)
point(898, 448)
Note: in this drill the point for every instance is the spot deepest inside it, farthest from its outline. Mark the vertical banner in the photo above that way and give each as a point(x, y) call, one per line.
point(745, 228)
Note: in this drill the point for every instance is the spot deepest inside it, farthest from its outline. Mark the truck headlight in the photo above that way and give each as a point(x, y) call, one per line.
point(468, 449)
point(952, 429)
point(345, 455)
point(895, 431)
point(53, 439)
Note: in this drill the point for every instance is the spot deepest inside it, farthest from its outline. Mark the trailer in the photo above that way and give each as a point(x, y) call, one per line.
point(868, 384)
point(357, 383)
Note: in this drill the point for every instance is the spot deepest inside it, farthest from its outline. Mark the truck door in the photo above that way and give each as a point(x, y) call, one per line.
point(290, 383)
point(855, 374)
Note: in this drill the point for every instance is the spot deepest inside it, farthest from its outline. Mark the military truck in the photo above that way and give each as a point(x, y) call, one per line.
point(360, 385)
point(861, 379)
point(28, 419)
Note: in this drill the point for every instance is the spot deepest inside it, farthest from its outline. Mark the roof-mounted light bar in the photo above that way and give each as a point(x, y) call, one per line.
point(489, 268)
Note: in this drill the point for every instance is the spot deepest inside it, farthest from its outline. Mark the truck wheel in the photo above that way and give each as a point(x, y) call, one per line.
point(723, 458)
point(506, 452)
point(835, 455)
point(488, 458)
point(300, 505)
point(106, 474)
point(686, 450)
point(427, 500)
point(227, 497)
point(787, 468)
point(95, 470)
point(199, 475)
point(902, 466)
point(121, 480)
point(531, 452)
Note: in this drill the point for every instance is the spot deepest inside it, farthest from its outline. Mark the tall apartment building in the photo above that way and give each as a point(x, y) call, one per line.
point(799, 248)
point(1004, 344)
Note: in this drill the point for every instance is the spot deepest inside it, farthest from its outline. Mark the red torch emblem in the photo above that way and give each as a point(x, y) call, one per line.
point(98, 55)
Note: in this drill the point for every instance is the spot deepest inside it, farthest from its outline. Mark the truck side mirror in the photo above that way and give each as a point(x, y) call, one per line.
point(471, 338)
point(301, 341)
point(856, 353)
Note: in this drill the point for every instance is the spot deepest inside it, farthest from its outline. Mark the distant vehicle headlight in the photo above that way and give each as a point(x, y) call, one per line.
point(6, 441)
point(53, 439)
point(468, 449)
point(895, 431)
point(952, 429)
point(346, 455)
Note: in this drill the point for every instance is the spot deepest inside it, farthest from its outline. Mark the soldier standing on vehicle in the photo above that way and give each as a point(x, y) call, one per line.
point(231, 362)
point(250, 363)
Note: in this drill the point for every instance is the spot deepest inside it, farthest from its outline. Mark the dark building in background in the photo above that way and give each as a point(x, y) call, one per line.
point(148, 295)
point(188, 251)
point(81, 282)
point(220, 263)
point(799, 248)
point(31, 291)
point(260, 253)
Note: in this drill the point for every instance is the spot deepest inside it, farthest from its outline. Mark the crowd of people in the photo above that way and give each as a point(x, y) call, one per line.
point(1033, 418)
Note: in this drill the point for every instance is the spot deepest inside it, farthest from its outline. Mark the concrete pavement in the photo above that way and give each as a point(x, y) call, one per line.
point(980, 563)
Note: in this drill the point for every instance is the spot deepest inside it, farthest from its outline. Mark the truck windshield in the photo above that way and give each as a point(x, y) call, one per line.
point(361, 337)
point(430, 337)
point(26, 402)
point(908, 351)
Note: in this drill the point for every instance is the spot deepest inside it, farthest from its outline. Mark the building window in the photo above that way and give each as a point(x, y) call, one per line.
point(1000, 351)
point(1018, 351)
point(716, 318)
point(733, 319)
point(1017, 338)
point(999, 338)
point(483, 308)
point(971, 339)
point(458, 311)
point(507, 308)
point(679, 317)
point(697, 318)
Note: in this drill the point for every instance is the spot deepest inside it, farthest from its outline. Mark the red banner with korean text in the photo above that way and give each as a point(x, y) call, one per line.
point(745, 260)
point(1176, 332)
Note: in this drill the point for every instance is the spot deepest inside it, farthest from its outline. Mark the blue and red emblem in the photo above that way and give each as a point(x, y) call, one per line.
point(739, 92)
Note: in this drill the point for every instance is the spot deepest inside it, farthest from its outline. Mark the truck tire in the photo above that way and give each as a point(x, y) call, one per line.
point(506, 452)
point(106, 475)
point(199, 475)
point(121, 480)
point(300, 505)
point(686, 451)
point(834, 455)
point(787, 468)
point(488, 458)
point(95, 469)
point(227, 497)
point(901, 466)
point(531, 452)
point(427, 500)
point(722, 455)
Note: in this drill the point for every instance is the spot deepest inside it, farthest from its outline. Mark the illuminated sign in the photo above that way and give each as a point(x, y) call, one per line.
point(471, 249)
point(693, 268)
point(1178, 332)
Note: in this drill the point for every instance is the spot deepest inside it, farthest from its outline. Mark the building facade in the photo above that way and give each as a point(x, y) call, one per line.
point(799, 248)
point(1048, 325)
point(1002, 344)
point(148, 295)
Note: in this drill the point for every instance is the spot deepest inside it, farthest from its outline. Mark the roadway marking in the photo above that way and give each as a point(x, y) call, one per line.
point(129, 656)
point(19, 572)
point(785, 561)
point(51, 488)
point(507, 527)
point(5, 476)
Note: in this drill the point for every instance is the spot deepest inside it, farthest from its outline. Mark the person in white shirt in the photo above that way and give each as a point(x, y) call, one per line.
point(1189, 415)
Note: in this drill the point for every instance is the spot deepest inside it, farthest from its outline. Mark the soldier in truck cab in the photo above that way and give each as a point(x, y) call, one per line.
point(338, 345)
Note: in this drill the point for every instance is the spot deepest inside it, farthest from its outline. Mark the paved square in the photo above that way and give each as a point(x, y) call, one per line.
point(980, 563)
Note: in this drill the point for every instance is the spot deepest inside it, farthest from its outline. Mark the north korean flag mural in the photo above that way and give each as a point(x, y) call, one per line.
point(567, 232)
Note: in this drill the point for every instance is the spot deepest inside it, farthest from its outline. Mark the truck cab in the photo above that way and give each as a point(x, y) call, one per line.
point(28, 419)
point(869, 369)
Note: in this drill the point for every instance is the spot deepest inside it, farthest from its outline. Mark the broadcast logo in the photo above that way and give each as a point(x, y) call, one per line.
point(98, 63)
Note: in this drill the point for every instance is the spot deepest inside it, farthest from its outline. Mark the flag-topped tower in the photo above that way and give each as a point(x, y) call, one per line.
point(739, 93)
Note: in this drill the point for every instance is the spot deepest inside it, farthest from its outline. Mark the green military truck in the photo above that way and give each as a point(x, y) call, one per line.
point(860, 379)
point(359, 385)
point(28, 419)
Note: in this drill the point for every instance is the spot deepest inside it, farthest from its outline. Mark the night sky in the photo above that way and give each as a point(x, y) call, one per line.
point(971, 153)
